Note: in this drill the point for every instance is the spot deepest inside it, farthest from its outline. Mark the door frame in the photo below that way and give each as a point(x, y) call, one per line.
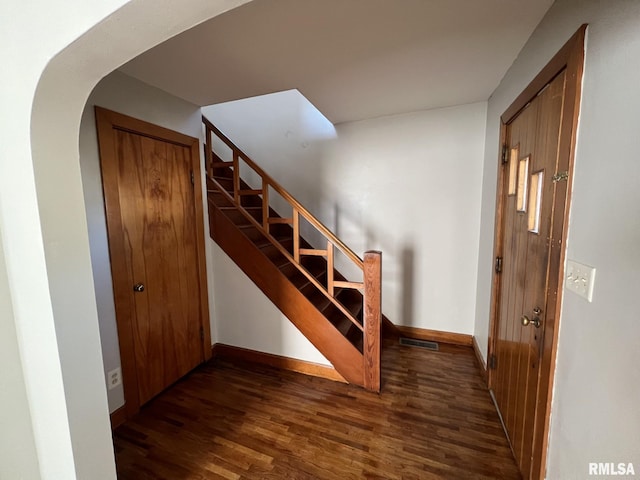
point(106, 122)
point(571, 58)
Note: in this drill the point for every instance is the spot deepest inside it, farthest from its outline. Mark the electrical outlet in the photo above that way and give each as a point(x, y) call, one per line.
point(114, 378)
point(579, 279)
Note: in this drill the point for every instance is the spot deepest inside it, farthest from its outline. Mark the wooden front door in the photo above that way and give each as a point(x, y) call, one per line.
point(531, 163)
point(154, 217)
point(532, 208)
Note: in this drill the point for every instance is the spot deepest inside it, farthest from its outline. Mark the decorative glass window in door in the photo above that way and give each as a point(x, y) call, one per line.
point(535, 199)
point(523, 178)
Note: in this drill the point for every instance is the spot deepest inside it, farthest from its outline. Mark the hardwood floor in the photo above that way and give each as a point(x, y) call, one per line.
point(433, 419)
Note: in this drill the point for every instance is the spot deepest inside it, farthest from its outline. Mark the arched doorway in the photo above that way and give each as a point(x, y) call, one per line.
point(74, 440)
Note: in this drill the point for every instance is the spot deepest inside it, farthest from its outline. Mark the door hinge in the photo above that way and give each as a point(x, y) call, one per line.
point(505, 149)
point(201, 333)
point(193, 180)
point(560, 176)
point(498, 265)
point(493, 362)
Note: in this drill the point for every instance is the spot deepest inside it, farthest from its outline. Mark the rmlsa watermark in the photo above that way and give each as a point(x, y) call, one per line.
point(611, 469)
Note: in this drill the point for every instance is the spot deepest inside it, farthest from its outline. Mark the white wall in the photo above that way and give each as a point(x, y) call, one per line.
point(247, 318)
point(595, 414)
point(53, 54)
point(17, 446)
point(408, 185)
point(126, 95)
point(29, 37)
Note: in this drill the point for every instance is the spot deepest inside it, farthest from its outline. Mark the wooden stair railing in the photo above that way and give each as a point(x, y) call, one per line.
point(370, 267)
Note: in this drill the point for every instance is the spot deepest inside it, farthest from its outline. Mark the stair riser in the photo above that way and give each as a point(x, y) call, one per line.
point(274, 254)
point(219, 200)
point(226, 183)
point(238, 218)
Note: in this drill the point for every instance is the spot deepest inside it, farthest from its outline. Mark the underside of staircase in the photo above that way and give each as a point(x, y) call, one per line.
point(342, 319)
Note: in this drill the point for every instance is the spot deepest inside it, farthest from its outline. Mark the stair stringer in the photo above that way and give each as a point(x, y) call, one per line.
point(344, 357)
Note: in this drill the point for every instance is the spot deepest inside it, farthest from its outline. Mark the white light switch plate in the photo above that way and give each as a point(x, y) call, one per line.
point(579, 278)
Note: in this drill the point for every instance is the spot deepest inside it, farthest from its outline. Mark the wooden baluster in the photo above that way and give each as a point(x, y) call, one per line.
point(296, 235)
point(330, 268)
point(236, 177)
point(285, 195)
point(208, 150)
point(372, 319)
point(265, 204)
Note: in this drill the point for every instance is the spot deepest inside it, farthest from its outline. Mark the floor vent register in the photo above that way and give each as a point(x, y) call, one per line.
point(411, 342)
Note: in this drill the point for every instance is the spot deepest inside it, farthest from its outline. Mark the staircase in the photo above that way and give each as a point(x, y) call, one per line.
point(341, 318)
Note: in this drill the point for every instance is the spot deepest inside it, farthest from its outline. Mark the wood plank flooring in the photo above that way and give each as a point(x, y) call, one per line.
point(433, 420)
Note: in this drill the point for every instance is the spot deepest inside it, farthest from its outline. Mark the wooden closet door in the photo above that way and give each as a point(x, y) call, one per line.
point(156, 243)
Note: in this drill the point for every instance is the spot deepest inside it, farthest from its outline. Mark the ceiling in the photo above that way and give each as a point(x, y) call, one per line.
point(353, 59)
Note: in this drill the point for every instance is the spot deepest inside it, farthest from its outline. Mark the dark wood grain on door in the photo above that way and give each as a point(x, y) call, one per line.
point(156, 240)
point(158, 220)
point(541, 126)
point(533, 138)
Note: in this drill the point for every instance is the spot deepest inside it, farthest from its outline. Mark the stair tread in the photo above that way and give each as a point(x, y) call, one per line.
point(285, 261)
point(274, 254)
point(301, 281)
point(266, 242)
point(236, 207)
point(324, 304)
point(222, 181)
point(317, 276)
point(352, 303)
point(350, 331)
point(218, 197)
point(308, 286)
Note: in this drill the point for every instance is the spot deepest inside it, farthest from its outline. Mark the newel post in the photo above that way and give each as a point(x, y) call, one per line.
point(372, 319)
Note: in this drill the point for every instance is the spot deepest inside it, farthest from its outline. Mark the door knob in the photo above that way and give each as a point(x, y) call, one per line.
point(138, 287)
point(526, 321)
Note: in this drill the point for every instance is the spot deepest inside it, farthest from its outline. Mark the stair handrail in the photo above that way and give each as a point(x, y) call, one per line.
point(286, 195)
point(370, 266)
